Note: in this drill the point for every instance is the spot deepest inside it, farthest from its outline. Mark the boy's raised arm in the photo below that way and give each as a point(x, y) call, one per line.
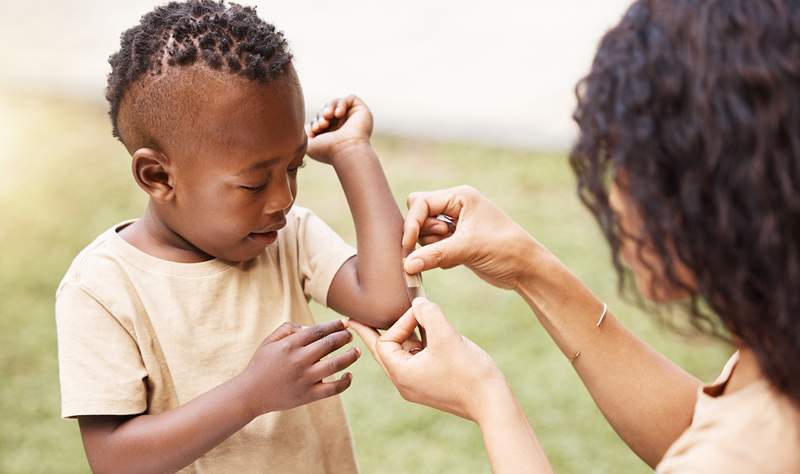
point(285, 372)
point(370, 287)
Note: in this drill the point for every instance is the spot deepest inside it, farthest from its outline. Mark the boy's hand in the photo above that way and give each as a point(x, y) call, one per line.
point(286, 370)
point(341, 124)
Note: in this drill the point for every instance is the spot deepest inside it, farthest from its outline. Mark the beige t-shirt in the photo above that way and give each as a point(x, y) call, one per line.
point(752, 430)
point(137, 334)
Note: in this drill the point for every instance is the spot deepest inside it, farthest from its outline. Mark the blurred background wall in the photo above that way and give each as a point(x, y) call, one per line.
point(501, 72)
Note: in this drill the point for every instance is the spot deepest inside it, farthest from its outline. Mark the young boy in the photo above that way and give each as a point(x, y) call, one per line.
point(168, 348)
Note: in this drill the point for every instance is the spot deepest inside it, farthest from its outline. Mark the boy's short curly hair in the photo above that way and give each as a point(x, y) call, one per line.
point(224, 38)
point(698, 104)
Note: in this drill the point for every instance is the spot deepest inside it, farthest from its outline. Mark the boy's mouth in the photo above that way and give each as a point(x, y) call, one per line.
point(267, 235)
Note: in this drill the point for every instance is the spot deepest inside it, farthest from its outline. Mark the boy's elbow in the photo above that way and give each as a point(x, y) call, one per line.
point(383, 312)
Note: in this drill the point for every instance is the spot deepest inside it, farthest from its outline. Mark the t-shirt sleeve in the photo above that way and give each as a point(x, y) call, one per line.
point(100, 366)
point(321, 253)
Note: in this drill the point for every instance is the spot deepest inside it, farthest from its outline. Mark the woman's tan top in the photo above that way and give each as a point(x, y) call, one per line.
point(752, 430)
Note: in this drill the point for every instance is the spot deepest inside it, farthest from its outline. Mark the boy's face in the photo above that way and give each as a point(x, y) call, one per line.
point(235, 175)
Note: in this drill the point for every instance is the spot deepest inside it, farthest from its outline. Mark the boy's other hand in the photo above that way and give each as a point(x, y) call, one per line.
point(286, 371)
point(341, 124)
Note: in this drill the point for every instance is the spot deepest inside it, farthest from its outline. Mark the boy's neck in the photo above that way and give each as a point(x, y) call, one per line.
point(154, 237)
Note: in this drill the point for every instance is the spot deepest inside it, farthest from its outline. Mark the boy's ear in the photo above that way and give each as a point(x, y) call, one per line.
point(152, 171)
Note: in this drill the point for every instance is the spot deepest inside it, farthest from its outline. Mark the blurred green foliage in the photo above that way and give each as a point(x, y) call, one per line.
point(65, 180)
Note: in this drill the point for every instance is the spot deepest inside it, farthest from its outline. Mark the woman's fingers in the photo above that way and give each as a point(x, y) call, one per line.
point(431, 317)
point(401, 330)
point(431, 239)
point(370, 337)
point(424, 206)
point(444, 253)
point(367, 334)
point(388, 348)
point(433, 226)
point(427, 205)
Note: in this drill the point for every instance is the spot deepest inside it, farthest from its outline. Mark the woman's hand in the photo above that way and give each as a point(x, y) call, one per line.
point(454, 375)
point(485, 239)
point(451, 374)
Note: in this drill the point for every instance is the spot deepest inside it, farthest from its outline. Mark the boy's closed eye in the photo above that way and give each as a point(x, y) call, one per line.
point(291, 169)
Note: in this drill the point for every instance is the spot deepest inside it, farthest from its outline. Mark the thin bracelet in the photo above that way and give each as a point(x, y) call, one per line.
point(599, 322)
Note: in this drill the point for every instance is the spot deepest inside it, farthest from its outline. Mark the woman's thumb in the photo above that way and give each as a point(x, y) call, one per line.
point(445, 253)
point(431, 317)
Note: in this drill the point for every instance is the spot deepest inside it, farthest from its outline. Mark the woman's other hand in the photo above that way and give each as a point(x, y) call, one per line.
point(451, 374)
point(484, 238)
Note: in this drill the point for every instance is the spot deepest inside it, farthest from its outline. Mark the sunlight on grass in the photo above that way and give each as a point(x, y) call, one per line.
point(65, 180)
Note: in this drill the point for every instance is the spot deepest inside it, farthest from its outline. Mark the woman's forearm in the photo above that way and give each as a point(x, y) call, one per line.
point(646, 398)
point(510, 442)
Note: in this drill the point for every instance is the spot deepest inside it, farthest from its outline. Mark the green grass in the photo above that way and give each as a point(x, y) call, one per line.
point(65, 180)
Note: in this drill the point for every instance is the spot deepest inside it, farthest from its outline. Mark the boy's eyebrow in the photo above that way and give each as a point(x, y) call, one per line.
point(267, 163)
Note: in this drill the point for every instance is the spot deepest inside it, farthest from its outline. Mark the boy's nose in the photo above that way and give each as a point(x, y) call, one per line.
point(280, 199)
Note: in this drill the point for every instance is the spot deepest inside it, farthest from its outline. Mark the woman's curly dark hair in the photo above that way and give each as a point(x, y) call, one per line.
point(226, 38)
point(692, 107)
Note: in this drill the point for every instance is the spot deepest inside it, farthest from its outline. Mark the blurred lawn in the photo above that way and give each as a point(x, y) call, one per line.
point(65, 180)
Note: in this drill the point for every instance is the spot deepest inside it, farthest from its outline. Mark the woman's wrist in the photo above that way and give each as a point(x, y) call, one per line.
point(492, 398)
point(534, 260)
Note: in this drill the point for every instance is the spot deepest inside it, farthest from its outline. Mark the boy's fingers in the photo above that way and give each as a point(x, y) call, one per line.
point(334, 341)
point(341, 109)
point(315, 333)
point(327, 367)
point(327, 112)
point(328, 389)
point(286, 329)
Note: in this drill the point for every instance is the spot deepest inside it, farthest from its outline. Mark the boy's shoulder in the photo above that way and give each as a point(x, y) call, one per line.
point(95, 262)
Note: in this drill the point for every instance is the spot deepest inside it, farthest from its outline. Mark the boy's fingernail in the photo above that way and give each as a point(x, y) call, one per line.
point(345, 321)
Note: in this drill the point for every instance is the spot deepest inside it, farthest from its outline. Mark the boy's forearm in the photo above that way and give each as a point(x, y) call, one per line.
point(379, 295)
point(168, 441)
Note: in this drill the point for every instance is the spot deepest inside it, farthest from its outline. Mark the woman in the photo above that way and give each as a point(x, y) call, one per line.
point(689, 157)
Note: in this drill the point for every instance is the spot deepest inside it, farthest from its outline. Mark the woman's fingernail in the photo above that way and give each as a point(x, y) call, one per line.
point(414, 265)
point(358, 351)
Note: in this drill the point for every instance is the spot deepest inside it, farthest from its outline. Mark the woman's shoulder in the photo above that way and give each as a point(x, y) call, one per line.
point(754, 429)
